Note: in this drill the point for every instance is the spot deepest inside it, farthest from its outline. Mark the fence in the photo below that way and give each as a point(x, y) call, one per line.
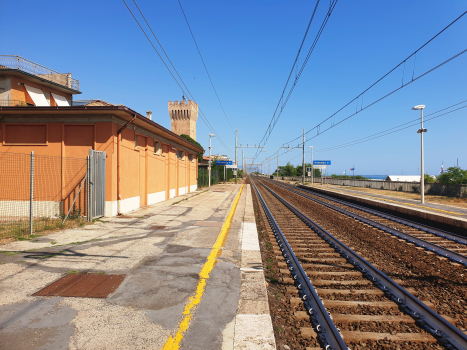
point(203, 177)
point(437, 189)
point(37, 192)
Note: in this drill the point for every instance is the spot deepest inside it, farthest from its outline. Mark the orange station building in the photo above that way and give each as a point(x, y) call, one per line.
point(145, 162)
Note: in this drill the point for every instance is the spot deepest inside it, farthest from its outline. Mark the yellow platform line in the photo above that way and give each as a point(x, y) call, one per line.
point(400, 203)
point(173, 342)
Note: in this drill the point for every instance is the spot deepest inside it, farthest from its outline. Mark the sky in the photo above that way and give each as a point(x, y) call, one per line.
point(249, 48)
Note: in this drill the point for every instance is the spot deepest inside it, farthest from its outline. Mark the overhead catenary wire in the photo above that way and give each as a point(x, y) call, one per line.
point(188, 93)
point(282, 103)
point(204, 64)
point(384, 76)
point(392, 130)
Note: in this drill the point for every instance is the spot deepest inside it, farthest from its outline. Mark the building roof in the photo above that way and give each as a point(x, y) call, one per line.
point(120, 111)
point(404, 178)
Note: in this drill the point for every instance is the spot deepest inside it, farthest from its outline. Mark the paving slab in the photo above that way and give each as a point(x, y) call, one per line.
point(161, 251)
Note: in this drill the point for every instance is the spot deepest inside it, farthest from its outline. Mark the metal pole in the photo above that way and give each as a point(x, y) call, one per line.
point(269, 167)
point(312, 170)
point(236, 163)
point(277, 171)
point(422, 177)
point(209, 165)
point(303, 166)
point(243, 163)
point(88, 186)
point(31, 193)
point(225, 179)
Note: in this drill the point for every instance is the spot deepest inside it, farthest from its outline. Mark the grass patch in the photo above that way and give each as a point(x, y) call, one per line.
point(73, 271)
point(273, 280)
point(100, 273)
point(46, 256)
point(8, 252)
point(53, 242)
point(19, 230)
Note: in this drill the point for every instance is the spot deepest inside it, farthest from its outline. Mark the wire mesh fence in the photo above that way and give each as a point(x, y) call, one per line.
point(38, 191)
point(203, 180)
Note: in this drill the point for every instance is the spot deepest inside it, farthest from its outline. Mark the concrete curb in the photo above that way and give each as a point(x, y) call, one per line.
point(253, 324)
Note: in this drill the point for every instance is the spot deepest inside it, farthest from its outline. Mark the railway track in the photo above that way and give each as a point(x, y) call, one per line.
point(348, 300)
point(443, 243)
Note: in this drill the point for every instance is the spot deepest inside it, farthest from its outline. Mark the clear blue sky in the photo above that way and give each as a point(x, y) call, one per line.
point(249, 48)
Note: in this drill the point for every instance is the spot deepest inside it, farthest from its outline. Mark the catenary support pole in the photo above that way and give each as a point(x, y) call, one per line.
point(303, 162)
point(31, 193)
point(422, 175)
point(312, 170)
point(277, 170)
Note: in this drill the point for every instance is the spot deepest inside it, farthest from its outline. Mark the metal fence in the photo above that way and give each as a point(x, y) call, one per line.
point(203, 180)
point(38, 192)
point(20, 63)
point(438, 189)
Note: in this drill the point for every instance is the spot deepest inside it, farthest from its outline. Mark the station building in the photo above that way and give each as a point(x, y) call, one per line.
point(145, 162)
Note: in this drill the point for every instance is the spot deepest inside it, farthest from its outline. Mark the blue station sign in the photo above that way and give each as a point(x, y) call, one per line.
point(321, 162)
point(223, 162)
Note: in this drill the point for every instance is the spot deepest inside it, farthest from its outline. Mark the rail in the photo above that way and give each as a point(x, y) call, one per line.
point(326, 330)
point(425, 228)
point(453, 256)
point(434, 323)
point(22, 64)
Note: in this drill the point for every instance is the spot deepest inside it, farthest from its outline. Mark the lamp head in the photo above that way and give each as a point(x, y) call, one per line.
point(212, 135)
point(418, 107)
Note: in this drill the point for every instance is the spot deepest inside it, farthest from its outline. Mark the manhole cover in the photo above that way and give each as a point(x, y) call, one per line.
point(157, 227)
point(83, 285)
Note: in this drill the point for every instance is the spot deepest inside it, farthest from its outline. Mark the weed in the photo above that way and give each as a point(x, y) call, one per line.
point(268, 246)
point(73, 271)
point(46, 256)
point(113, 237)
point(273, 280)
point(278, 295)
point(101, 273)
point(81, 224)
point(270, 260)
point(269, 267)
point(8, 252)
point(278, 329)
point(53, 242)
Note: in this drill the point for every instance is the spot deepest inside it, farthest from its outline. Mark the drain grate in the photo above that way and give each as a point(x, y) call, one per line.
point(157, 227)
point(83, 285)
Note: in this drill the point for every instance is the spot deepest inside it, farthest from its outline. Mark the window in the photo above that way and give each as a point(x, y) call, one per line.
point(190, 157)
point(157, 148)
point(180, 154)
point(136, 141)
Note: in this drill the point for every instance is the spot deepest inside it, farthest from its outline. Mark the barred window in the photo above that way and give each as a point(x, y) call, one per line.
point(180, 155)
point(190, 157)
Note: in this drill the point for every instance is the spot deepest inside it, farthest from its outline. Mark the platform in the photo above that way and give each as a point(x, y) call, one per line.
point(192, 279)
point(431, 213)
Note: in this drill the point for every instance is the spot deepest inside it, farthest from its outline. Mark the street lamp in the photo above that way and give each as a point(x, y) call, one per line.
point(421, 131)
point(209, 166)
point(311, 147)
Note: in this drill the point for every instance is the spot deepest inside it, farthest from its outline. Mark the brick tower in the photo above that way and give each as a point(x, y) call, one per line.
point(183, 116)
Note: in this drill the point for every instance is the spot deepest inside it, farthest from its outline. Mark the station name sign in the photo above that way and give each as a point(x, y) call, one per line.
point(321, 162)
point(223, 162)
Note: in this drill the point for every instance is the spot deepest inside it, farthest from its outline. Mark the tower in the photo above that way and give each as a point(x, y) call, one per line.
point(183, 116)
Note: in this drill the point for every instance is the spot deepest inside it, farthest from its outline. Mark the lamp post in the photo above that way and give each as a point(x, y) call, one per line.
point(209, 165)
point(311, 147)
point(421, 131)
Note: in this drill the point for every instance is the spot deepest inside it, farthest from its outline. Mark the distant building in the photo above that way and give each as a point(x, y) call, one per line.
point(183, 117)
point(403, 178)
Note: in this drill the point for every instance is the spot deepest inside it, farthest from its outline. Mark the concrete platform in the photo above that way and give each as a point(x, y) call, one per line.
point(430, 213)
point(194, 280)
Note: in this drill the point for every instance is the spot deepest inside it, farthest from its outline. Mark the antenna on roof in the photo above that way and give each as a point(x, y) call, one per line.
point(183, 97)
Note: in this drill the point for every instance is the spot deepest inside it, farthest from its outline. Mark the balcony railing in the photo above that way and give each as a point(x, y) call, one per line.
point(13, 103)
point(22, 64)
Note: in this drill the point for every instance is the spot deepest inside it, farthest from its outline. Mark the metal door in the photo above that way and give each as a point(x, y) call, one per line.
point(96, 184)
